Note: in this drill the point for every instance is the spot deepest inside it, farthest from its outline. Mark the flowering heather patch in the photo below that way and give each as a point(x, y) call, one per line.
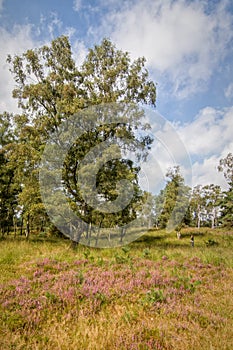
point(122, 301)
point(51, 284)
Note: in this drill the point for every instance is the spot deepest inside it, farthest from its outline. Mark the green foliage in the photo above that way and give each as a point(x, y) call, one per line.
point(126, 249)
point(51, 297)
point(49, 89)
point(87, 254)
point(109, 76)
point(9, 189)
point(14, 322)
point(123, 259)
point(172, 203)
point(154, 296)
point(109, 173)
point(210, 242)
point(226, 203)
point(226, 166)
point(146, 253)
point(187, 283)
point(204, 205)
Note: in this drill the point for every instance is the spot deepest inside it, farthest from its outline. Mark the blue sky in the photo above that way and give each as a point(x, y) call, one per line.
point(188, 46)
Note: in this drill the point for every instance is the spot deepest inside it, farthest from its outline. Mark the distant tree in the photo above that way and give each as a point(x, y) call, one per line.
point(197, 205)
point(212, 197)
point(148, 217)
point(226, 166)
point(204, 205)
point(24, 156)
point(226, 204)
point(9, 190)
point(172, 203)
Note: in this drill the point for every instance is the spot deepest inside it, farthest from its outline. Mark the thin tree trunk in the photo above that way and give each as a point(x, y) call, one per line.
point(21, 227)
point(89, 233)
point(28, 227)
point(98, 233)
point(15, 226)
point(198, 218)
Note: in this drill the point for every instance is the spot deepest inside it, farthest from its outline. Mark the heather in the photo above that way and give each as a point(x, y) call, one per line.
point(156, 293)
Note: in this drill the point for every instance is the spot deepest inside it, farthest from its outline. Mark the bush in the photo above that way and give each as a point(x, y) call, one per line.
point(210, 242)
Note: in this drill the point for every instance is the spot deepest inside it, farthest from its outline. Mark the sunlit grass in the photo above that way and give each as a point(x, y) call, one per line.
point(155, 293)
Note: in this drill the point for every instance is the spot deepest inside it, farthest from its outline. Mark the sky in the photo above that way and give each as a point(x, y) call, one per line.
point(188, 46)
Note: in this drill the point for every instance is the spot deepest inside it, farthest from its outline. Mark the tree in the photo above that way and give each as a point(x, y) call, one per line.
point(150, 210)
point(24, 156)
point(197, 205)
point(172, 203)
point(226, 204)
point(9, 190)
point(212, 195)
point(50, 88)
point(204, 205)
point(226, 166)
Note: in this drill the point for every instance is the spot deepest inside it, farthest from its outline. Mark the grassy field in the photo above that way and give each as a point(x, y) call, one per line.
point(156, 293)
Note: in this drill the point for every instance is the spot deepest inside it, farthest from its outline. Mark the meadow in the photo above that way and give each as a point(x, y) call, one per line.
point(155, 293)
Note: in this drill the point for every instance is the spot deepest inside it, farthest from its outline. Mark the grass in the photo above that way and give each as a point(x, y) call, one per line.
point(155, 293)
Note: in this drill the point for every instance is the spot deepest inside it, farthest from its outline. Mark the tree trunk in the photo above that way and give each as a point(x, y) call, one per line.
point(21, 227)
point(15, 226)
point(214, 218)
point(27, 233)
point(123, 232)
point(198, 218)
point(98, 233)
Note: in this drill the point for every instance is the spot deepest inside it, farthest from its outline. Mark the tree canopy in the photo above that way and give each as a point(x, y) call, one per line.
point(50, 88)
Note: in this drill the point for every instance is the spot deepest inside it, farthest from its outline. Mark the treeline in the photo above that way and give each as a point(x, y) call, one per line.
point(207, 205)
point(50, 88)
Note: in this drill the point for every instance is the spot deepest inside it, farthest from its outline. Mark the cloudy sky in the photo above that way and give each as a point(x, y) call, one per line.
point(188, 46)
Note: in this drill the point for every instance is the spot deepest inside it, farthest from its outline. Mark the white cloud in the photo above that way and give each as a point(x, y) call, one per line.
point(12, 43)
point(196, 147)
point(168, 150)
point(209, 132)
point(206, 173)
point(178, 38)
point(209, 138)
point(77, 5)
point(79, 52)
point(229, 91)
point(1, 4)
point(54, 24)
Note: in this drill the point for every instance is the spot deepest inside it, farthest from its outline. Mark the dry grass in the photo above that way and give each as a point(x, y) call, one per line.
point(157, 294)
